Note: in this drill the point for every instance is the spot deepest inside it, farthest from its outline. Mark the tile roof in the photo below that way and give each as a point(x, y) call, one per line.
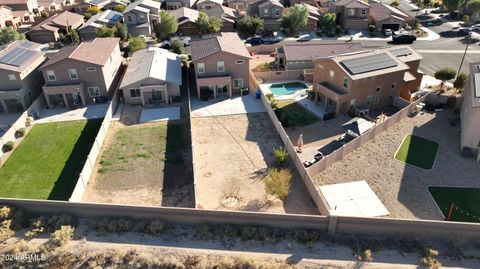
point(351, 3)
point(95, 52)
point(405, 53)
point(225, 42)
point(154, 63)
point(142, 5)
point(64, 20)
point(189, 14)
point(214, 1)
point(14, 2)
point(306, 52)
point(270, 2)
point(226, 13)
point(107, 17)
point(34, 55)
point(381, 11)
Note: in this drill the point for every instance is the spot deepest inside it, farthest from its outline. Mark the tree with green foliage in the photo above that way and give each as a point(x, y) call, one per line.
point(8, 34)
point(428, 3)
point(44, 14)
point(120, 8)
point(328, 21)
point(250, 26)
point(295, 18)
point(87, 15)
point(137, 43)
point(176, 46)
point(122, 31)
point(208, 25)
point(93, 10)
point(460, 80)
point(74, 36)
point(167, 26)
point(445, 74)
point(395, 3)
point(106, 31)
point(451, 5)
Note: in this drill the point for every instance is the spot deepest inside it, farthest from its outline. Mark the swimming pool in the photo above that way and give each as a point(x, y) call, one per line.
point(287, 88)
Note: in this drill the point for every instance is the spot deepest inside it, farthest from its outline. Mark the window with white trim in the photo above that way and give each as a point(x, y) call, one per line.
point(135, 93)
point(91, 69)
point(332, 74)
point(220, 66)
point(265, 11)
point(73, 74)
point(51, 75)
point(201, 68)
point(277, 12)
point(351, 12)
point(94, 91)
point(364, 12)
point(238, 83)
point(239, 62)
point(12, 77)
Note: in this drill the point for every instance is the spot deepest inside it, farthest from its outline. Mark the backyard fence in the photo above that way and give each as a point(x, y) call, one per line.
point(191, 141)
point(10, 134)
point(88, 167)
point(279, 75)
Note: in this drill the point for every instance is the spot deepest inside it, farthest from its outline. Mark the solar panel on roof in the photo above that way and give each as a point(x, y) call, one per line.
point(477, 85)
point(401, 52)
point(369, 63)
point(16, 56)
point(116, 17)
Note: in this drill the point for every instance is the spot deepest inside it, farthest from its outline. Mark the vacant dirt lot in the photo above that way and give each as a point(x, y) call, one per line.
point(232, 154)
point(137, 163)
point(404, 188)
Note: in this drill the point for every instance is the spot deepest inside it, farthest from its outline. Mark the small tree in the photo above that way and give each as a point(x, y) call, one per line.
point(120, 8)
point(93, 10)
point(8, 34)
point(249, 26)
point(451, 5)
point(296, 18)
point(278, 182)
point(280, 155)
point(137, 43)
point(122, 31)
point(87, 15)
point(106, 31)
point(460, 80)
point(328, 21)
point(44, 14)
point(208, 25)
point(395, 3)
point(176, 47)
point(74, 36)
point(445, 74)
point(465, 18)
point(167, 26)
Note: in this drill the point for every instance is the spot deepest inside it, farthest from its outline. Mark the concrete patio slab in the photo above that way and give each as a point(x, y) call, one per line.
point(354, 199)
point(160, 114)
point(236, 105)
point(63, 114)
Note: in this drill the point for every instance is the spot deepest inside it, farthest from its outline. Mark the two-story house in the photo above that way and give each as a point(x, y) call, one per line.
point(81, 74)
point(470, 113)
point(240, 5)
point(270, 11)
point(153, 76)
point(108, 18)
point(25, 10)
point(141, 16)
point(176, 4)
point(351, 14)
point(50, 29)
point(7, 19)
point(20, 81)
point(187, 20)
point(204, 5)
point(222, 65)
point(229, 17)
point(386, 16)
point(365, 79)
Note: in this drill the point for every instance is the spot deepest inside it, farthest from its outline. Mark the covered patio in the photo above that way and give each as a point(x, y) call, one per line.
point(215, 87)
point(65, 95)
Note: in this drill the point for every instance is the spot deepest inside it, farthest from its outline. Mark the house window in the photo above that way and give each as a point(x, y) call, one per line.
point(51, 75)
point(352, 102)
point(239, 62)
point(94, 91)
point(91, 69)
point(320, 66)
point(277, 12)
point(345, 82)
point(220, 67)
point(351, 12)
point(201, 68)
point(369, 100)
point(377, 98)
point(379, 88)
point(364, 12)
point(129, 18)
point(73, 74)
point(12, 77)
point(142, 17)
point(265, 11)
point(332, 74)
point(237, 83)
point(394, 85)
point(134, 93)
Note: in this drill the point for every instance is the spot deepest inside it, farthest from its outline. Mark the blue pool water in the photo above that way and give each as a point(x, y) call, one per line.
point(287, 88)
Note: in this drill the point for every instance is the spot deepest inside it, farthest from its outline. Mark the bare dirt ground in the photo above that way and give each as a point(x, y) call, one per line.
point(232, 154)
point(260, 59)
point(403, 188)
point(137, 159)
point(316, 135)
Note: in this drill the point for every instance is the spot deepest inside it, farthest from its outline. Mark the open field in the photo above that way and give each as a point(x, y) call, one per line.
point(291, 114)
point(403, 188)
point(417, 151)
point(134, 163)
point(47, 163)
point(232, 154)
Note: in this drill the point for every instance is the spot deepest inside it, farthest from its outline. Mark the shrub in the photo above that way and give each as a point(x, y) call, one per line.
point(56, 221)
point(176, 47)
point(305, 236)
point(109, 225)
point(330, 34)
point(204, 231)
point(270, 97)
point(278, 182)
point(28, 121)
point(37, 227)
point(395, 3)
point(248, 232)
point(338, 29)
point(93, 10)
point(264, 67)
point(61, 236)
point(4, 213)
point(264, 233)
point(371, 28)
point(460, 80)
point(155, 227)
point(8, 146)
point(280, 155)
point(465, 18)
point(20, 132)
point(87, 15)
point(16, 216)
point(5, 230)
point(44, 14)
point(430, 258)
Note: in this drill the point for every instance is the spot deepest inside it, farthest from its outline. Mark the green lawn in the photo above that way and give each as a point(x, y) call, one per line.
point(466, 202)
point(291, 113)
point(47, 163)
point(417, 151)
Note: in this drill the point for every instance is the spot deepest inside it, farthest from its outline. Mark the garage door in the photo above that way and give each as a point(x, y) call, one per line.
point(391, 26)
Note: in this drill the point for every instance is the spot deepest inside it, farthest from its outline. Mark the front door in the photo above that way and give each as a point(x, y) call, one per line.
point(157, 97)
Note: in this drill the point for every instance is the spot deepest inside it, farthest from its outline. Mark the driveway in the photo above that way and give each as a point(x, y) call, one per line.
point(63, 114)
point(236, 105)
